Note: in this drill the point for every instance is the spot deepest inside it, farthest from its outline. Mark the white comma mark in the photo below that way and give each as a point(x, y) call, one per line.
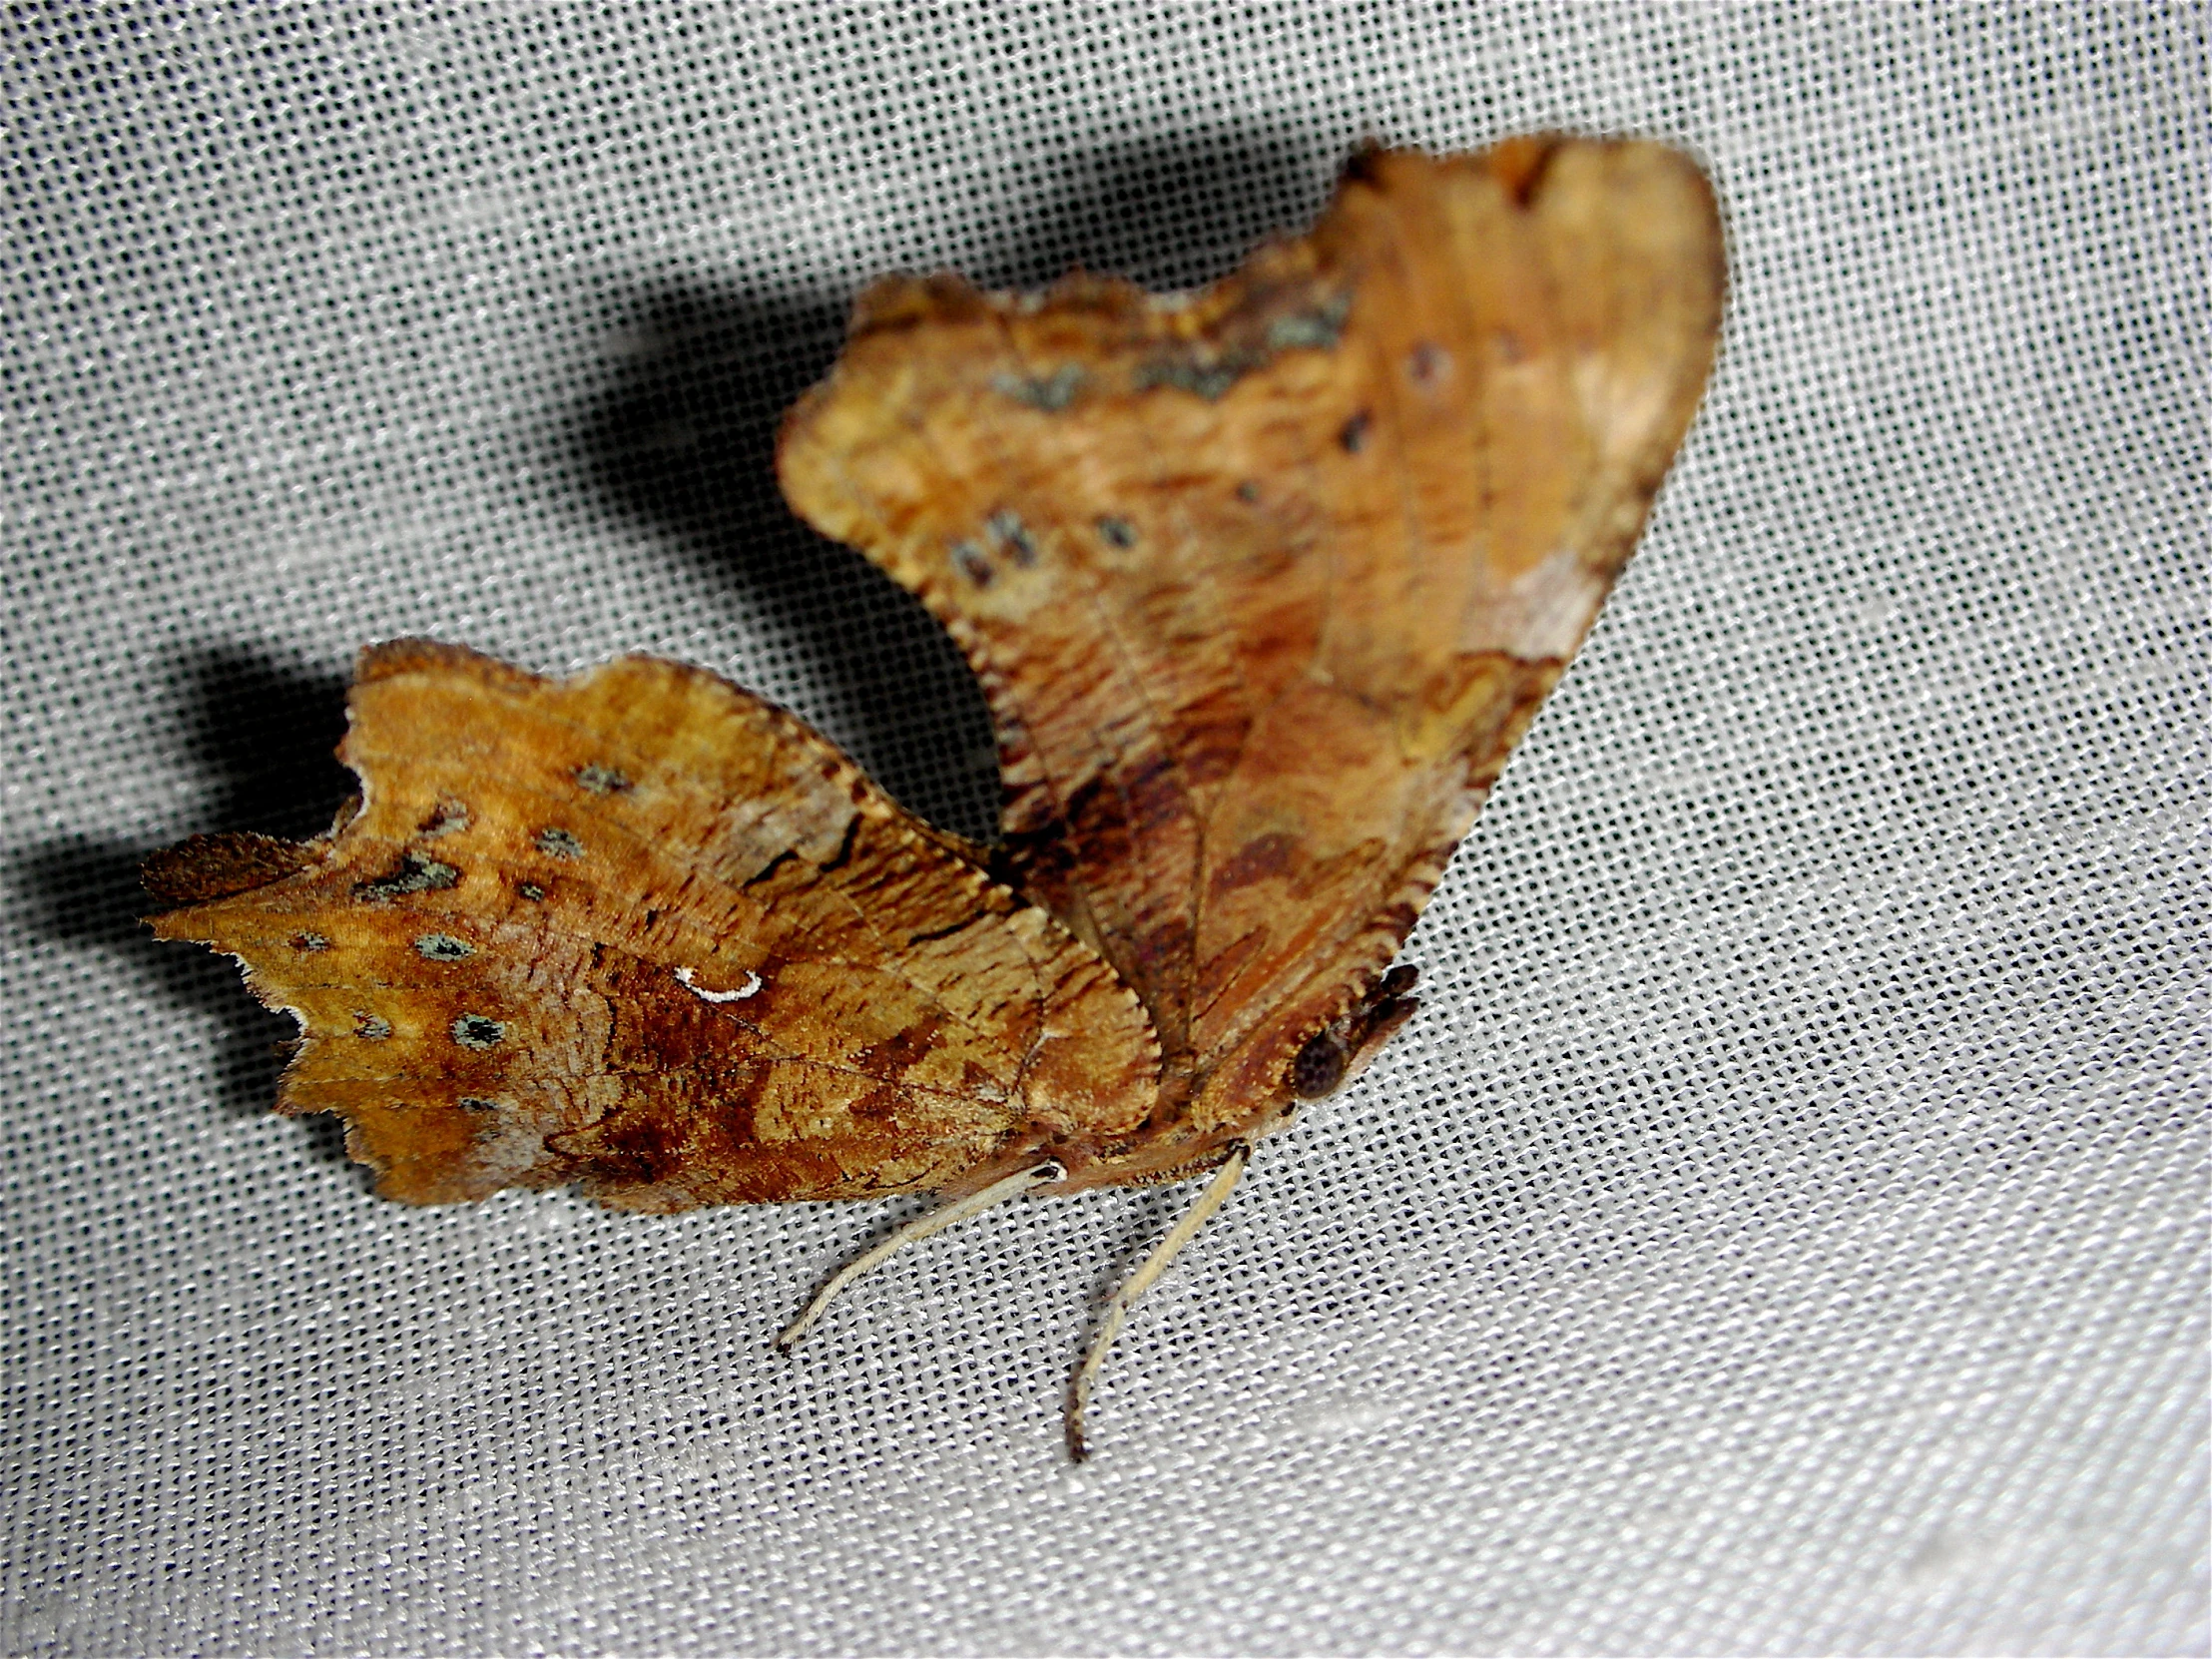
point(752, 984)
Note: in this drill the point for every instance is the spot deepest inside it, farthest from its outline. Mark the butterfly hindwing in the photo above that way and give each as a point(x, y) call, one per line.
point(645, 931)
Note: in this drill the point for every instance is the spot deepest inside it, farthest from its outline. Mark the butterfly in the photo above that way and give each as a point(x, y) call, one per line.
point(1263, 584)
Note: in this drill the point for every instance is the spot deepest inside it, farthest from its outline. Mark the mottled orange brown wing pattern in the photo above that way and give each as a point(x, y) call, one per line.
point(645, 931)
point(1263, 583)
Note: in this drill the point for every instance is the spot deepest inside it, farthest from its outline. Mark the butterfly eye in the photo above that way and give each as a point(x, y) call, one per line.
point(1319, 1066)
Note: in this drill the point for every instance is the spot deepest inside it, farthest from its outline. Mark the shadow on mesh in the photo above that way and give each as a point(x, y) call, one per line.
point(262, 734)
point(683, 441)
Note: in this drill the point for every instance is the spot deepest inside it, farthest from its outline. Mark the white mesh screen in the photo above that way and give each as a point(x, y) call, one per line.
point(1781, 1230)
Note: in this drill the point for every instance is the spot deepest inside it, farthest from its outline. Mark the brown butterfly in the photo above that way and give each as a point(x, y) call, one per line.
point(1263, 583)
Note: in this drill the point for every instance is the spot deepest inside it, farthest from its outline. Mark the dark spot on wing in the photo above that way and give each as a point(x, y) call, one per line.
point(478, 1032)
point(559, 844)
point(447, 818)
point(1049, 392)
point(1195, 370)
point(970, 560)
point(602, 779)
point(1117, 532)
point(1011, 533)
point(1354, 433)
point(1316, 327)
point(412, 873)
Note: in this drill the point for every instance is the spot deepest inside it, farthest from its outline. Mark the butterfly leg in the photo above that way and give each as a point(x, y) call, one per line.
point(1118, 1305)
point(933, 1221)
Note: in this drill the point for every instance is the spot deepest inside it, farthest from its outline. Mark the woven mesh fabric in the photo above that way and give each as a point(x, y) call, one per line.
point(1781, 1230)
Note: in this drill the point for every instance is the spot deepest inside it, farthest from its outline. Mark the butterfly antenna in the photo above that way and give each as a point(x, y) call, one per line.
point(932, 1220)
point(1118, 1305)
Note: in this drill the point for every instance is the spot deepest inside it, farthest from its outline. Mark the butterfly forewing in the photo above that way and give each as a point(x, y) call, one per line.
point(1265, 583)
